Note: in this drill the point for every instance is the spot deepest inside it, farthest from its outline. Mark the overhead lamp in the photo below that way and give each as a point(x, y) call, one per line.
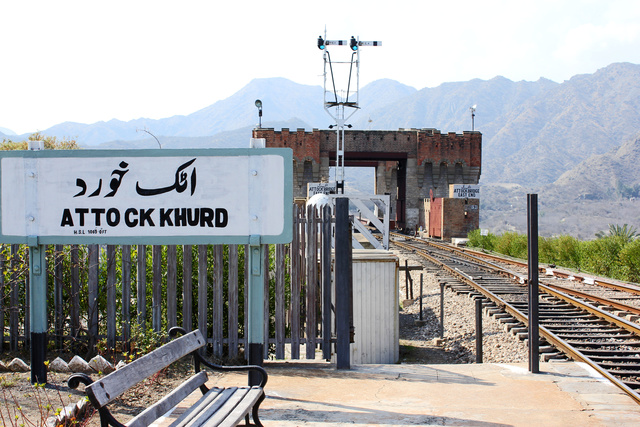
point(473, 117)
point(259, 107)
point(353, 44)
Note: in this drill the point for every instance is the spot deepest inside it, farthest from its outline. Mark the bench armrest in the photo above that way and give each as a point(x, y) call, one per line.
point(198, 359)
point(74, 380)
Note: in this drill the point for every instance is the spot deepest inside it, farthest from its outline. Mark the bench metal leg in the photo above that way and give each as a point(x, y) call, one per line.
point(254, 412)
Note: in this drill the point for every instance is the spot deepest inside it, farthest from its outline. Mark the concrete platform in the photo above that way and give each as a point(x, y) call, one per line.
point(563, 394)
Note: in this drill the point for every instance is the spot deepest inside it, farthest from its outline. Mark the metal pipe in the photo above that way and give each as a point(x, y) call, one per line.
point(442, 309)
point(478, 330)
point(532, 237)
point(421, 289)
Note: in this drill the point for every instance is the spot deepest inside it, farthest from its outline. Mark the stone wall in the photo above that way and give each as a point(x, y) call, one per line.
point(429, 159)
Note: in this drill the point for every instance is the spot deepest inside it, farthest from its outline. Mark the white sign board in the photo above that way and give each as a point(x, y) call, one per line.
point(464, 191)
point(314, 188)
point(146, 196)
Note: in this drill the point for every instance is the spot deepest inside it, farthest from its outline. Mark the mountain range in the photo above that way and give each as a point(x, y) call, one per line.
point(574, 142)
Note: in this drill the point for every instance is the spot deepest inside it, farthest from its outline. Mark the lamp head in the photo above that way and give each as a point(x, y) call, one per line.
point(353, 44)
point(259, 104)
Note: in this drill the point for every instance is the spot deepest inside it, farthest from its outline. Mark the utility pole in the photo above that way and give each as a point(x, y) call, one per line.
point(336, 105)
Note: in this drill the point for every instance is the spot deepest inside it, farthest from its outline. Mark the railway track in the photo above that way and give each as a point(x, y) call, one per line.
point(584, 325)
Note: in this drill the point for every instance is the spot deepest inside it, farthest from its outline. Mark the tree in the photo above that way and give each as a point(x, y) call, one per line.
point(627, 233)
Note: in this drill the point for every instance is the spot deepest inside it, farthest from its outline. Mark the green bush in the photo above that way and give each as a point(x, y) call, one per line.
point(477, 240)
point(630, 259)
point(616, 255)
point(601, 256)
point(566, 252)
point(512, 244)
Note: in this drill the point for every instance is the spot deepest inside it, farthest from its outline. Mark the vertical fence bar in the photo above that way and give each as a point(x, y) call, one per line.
point(92, 282)
point(326, 281)
point(14, 314)
point(279, 309)
point(187, 287)
point(75, 292)
point(343, 284)
point(156, 289)
point(172, 286)
point(232, 315)
point(111, 296)
point(203, 286)
point(126, 293)
point(295, 285)
point(3, 295)
point(58, 284)
point(311, 286)
point(218, 300)
point(266, 301)
point(247, 278)
point(141, 284)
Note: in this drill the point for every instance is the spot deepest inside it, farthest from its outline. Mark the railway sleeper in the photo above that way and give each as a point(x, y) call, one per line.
point(594, 336)
point(500, 315)
point(544, 347)
point(493, 311)
point(517, 330)
point(556, 356)
point(508, 326)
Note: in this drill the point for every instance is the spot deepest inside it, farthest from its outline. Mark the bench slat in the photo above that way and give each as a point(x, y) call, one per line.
point(242, 408)
point(197, 407)
point(113, 385)
point(211, 409)
point(161, 407)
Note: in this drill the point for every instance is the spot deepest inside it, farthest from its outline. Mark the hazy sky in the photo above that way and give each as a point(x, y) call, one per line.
point(87, 61)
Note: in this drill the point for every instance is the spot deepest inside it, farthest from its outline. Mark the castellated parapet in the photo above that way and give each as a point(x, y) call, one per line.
point(411, 164)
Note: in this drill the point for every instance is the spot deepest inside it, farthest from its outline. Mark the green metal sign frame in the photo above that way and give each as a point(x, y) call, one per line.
point(246, 167)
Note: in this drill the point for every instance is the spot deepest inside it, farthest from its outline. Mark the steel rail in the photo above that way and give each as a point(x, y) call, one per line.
point(549, 336)
point(627, 287)
point(601, 300)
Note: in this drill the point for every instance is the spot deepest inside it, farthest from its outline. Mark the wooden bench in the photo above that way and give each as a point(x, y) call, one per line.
point(217, 406)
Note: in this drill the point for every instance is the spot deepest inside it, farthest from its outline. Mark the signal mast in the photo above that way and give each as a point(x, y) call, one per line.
point(335, 105)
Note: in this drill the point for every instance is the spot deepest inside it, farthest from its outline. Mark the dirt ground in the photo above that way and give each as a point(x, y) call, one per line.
point(22, 404)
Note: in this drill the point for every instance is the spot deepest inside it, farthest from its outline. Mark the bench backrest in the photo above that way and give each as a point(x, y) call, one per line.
point(113, 385)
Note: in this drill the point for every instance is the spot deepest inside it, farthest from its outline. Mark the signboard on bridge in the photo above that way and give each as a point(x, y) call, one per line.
point(464, 191)
point(314, 188)
point(146, 196)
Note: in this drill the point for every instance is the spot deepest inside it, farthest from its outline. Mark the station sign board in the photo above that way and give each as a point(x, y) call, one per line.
point(314, 188)
point(203, 196)
point(464, 191)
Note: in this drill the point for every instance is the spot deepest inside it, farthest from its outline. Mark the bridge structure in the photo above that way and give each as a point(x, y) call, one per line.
point(411, 165)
